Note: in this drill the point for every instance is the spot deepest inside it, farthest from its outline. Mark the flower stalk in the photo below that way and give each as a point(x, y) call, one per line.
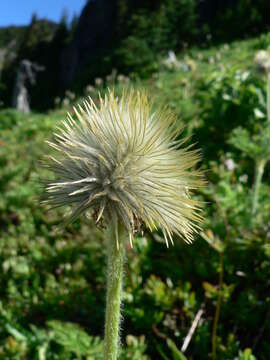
point(260, 164)
point(268, 96)
point(262, 63)
point(218, 307)
point(123, 164)
point(115, 261)
point(259, 170)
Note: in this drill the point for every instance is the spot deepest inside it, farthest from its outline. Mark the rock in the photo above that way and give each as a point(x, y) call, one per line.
point(93, 33)
point(26, 74)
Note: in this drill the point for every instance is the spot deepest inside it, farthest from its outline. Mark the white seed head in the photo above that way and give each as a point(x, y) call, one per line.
point(262, 62)
point(122, 161)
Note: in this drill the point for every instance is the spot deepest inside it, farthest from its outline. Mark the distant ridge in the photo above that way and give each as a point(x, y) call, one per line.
point(16, 32)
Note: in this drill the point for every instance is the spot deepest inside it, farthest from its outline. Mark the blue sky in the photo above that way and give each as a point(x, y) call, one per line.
point(19, 12)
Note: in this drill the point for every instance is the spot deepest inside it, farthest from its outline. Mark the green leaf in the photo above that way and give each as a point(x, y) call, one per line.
point(246, 355)
point(177, 354)
point(15, 333)
point(259, 114)
point(210, 290)
point(75, 340)
point(213, 241)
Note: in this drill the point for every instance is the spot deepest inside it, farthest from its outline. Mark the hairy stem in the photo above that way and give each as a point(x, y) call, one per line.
point(218, 307)
point(115, 262)
point(259, 170)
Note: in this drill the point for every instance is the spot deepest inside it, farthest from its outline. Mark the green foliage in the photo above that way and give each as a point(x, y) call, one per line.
point(60, 340)
point(52, 279)
point(135, 56)
point(75, 340)
point(177, 354)
point(41, 42)
point(142, 33)
point(256, 146)
point(244, 17)
point(166, 27)
point(246, 355)
point(37, 34)
point(11, 33)
point(231, 96)
point(154, 28)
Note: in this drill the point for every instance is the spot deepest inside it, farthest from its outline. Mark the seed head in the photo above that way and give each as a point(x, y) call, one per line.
point(122, 161)
point(262, 62)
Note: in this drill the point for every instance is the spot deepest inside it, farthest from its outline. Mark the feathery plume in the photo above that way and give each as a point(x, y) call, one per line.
point(123, 161)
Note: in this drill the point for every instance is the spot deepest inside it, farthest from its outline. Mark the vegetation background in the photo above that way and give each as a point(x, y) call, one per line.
point(52, 287)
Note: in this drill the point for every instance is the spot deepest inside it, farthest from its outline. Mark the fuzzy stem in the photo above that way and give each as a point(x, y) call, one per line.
point(259, 170)
point(115, 249)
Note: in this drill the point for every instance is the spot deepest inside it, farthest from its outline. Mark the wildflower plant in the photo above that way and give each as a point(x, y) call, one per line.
point(122, 164)
point(257, 146)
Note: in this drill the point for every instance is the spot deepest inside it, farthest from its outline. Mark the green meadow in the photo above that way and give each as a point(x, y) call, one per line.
point(52, 278)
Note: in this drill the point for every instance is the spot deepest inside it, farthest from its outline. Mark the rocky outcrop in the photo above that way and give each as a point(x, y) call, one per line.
point(93, 34)
point(26, 74)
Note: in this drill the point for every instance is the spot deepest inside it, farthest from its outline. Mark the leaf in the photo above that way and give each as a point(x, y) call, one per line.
point(15, 333)
point(261, 97)
point(210, 289)
point(227, 97)
point(75, 340)
point(161, 353)
point(259, 114)
point(246, 355)
point(213, 241)
point(177, 354)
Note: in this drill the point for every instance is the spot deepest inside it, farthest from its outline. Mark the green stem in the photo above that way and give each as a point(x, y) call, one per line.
point(115, 260)
point(218, 307)
point(259, 170)
point(268, 96)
